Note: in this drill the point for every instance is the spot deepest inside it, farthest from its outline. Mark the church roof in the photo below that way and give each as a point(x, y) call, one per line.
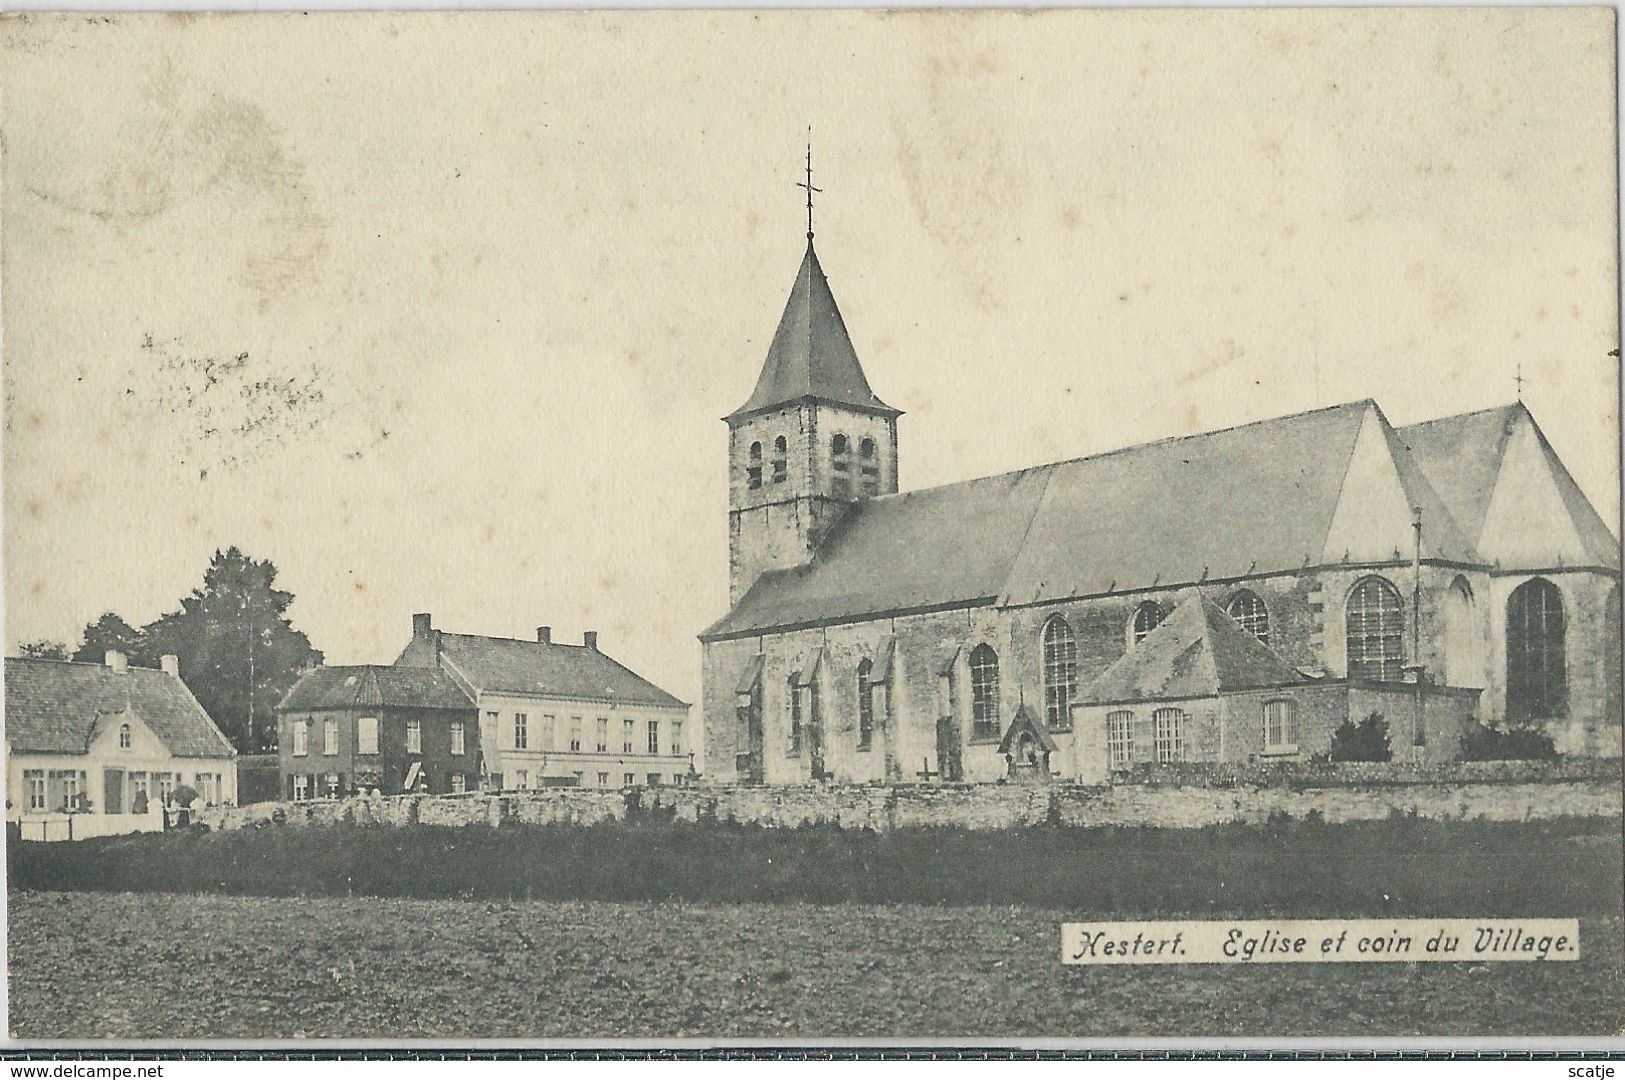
point(1322, 487)
point(376, 686)
point(1509, 490)
point(1198, 651)
point(511, 665)
point(811, 357)
point(53, 707)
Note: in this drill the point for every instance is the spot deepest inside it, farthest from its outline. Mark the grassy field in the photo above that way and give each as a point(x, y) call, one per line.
point(171, 966)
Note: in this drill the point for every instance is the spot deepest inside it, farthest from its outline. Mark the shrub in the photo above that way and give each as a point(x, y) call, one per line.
point(1365, 741)
point(1482, 743)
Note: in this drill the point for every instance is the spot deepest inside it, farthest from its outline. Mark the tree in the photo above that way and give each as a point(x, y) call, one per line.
point(1516, 742)
point(1365, 741)
point(238, 652)
point(43, 649)
point(112, 632)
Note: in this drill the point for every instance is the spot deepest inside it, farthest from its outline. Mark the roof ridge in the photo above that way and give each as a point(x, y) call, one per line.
point(1464, 415)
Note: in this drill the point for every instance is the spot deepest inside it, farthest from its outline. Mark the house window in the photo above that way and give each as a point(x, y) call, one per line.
point(301, 738)
point(124, 736)
point(795, 718)
point(521, 779)
point(547, 733)
point(139, 785)
point(1537, 681)
point(330, 736)
point(1250, 614)
point(1375, 621)
point(654, 779)
point(866, 704)
point(984, 692)
point(654, 736)
point(1147, 617)
point(753, 470)
point(34, 780)
point(330, 785)
point(366, 735)
point(70, 789)
point(603, 735)
point(575, 734)
point(781, 459)
point(457, 782)
point(208, 788)
point(603, 779)
point(1280, 726)
point(1120, 739)
point(626, 735)
point(676, 738)
point(1060, 672)
point(301, 787)
point(166, 786)
point(414, 736)
point(1169, 724)
point(627, 779)
point(869, 465)
point(521, 731)
point(459, 744)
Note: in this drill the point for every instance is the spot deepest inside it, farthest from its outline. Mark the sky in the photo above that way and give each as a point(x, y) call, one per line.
point(441, 313)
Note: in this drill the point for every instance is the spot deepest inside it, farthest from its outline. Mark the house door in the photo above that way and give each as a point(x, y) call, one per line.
point(113, 798)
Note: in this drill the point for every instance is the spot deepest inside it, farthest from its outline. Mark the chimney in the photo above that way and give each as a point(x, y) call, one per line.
point(171, 664)
point(544, 635)
point(590, 640)
point(422, 623)
point(117, 661)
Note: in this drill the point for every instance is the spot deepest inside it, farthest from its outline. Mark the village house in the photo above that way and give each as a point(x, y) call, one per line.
point(107, 741)
point(394, 730)
point(879, 635)
point(555, 714)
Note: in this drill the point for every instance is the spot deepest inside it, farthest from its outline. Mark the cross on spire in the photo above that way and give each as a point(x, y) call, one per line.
point(810, 189)
point(1518, 378)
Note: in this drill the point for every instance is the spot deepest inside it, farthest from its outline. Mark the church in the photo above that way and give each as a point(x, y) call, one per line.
point(1224, 596)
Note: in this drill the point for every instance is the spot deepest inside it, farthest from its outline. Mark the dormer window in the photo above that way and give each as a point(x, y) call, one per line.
point(869, 465)
point(753, 470)
point(781, 459)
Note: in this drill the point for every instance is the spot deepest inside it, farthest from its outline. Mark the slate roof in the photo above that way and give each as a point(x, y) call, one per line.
point(52, 707)
point(811, 356)
point(512, 665)
point(1249, 500)
point(1463, 455)
point(376, 686)
point(1198, 651)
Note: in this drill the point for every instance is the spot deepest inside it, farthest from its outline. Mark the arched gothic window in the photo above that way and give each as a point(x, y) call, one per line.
point(1250, 614)
point(840, 463)
point(795, 716)
point(1147, 617)
point(984, 691)
point(869, 465)
point(866, 704)
point(753, 469)
point(1537, 678)
point(1375, 624)
point(781, 459)
point(1060, 672)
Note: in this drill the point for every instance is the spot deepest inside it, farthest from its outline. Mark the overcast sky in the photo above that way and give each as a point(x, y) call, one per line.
point(441, 314)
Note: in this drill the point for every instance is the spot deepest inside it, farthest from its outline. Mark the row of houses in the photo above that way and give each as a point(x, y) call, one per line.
point(106, 748)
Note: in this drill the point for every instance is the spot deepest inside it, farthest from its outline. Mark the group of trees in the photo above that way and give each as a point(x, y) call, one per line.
point(238, 652)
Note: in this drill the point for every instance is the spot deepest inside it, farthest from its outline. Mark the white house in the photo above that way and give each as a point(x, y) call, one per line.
point(106, 744)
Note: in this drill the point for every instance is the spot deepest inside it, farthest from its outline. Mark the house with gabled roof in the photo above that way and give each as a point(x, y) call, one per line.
point(108, 739)
point(877, 634)
point(554, 714)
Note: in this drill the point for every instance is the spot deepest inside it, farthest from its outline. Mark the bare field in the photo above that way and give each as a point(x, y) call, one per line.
point(157, 966)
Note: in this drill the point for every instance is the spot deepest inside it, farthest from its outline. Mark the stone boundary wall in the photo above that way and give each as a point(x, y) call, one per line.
point(1370, 792)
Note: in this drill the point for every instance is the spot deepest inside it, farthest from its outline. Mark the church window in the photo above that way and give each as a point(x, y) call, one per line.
point(1250, 614)
point(1375, 622)
point(1147, 617)
point(795, 717)
point(781, 459)
point(1120, 739)
point(866, 704)
point(1537, 682)
point(1280, 726)
point(753, 470)
point(984, 692)
point(1169, 725)
point(869, 465)
point(1060, 672)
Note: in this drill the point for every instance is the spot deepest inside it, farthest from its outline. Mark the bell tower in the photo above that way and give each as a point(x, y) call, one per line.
point(812, 440)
